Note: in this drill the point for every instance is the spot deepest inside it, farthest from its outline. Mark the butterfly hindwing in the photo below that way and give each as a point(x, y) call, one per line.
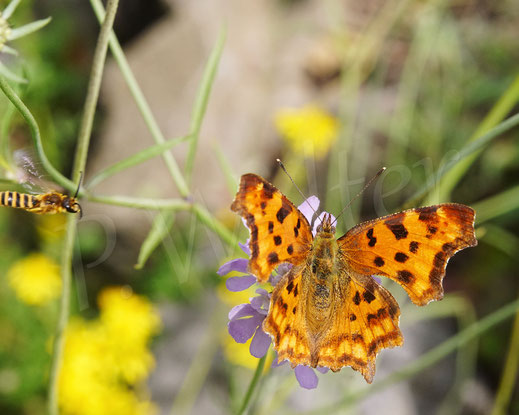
point(279, 232)
point(285, 322)
point(411, 247)
point(365, 321)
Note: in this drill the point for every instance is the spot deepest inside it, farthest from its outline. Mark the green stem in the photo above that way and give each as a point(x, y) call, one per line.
point(428, 359)
point(142, 104)
point(35, 133)
point(142, 203)
point(509, 378)
point(79, 166)
point(252, 385)
point(64, 311)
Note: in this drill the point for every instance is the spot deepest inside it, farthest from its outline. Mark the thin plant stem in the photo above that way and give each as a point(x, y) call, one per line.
point(142, 203)
point(252, 385)
point(510, 371)
point(35, 133)
point(497, 205)
point(142, 104)
point(79, 166)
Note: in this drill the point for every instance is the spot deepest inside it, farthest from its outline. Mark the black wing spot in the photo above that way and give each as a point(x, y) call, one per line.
point(283, 212)
point(372, 240)
point(263, 205)
point(427, 214)
point(432, 229)
point(401, 257)
point(273, 258)
point(405, 276)
point(271, 226)
point(296, 231)
point(277, 240)
point(353, 317)
point(368, 297)
point(379, 262)
point(296, 291)
point(413, 246)
point(371, 317)
point(290, 249)
point(290, 286)
point(268, 190)
point(294, 310)
point(398, 229)
point(298, 223)
point(356, 298)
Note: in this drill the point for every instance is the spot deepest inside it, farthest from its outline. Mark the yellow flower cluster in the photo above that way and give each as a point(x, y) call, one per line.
point(35, 279)
point(106, 358)
point(309, 131)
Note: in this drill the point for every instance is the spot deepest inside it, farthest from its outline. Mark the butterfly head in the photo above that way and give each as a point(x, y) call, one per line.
point(326, 225)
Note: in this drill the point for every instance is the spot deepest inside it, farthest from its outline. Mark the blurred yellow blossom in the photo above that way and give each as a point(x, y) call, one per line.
point(309, 131)
point(105, 358)
point(35, 279)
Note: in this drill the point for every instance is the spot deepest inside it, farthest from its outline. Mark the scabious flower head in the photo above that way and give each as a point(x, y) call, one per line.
point(309, 131)
point(106, 358)
point(246, 320)
point(35, 279)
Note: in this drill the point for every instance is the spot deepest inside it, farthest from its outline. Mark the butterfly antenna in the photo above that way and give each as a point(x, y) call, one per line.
point(79, 183)
point(295, 185)
point(376, 176)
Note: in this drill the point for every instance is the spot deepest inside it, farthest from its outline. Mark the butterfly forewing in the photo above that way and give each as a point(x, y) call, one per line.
point(411, 247)
point(279, 232)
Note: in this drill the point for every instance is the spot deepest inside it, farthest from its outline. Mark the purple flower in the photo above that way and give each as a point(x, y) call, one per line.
point(246, 320)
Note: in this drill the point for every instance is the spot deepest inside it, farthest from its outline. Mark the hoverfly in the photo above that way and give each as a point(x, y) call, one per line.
point(46, 203)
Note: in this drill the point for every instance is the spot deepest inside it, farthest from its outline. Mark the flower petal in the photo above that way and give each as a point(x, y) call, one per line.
point(245, 247)
point(239, 264)
point(306, 377)
point(309, 207)
point(260, 343)
point(240, 283)
point(322, 369)
point(242, 329)
point(241, 310)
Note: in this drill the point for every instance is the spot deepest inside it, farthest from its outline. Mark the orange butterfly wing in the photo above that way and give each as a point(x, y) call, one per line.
point(411, 247)
point(279, 232)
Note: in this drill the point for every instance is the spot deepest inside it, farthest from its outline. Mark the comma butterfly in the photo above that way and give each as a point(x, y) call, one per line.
point(328, 310)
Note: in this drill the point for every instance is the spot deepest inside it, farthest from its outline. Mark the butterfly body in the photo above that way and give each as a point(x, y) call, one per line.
point(328, 310)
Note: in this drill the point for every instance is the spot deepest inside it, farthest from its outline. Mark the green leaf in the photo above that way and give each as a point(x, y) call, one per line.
point(497, 205)
point(160, 227)
point(202, 98)
point(469, 150)
point(499, 111)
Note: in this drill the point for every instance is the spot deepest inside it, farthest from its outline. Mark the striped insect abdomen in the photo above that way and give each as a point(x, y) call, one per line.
point(17, 200)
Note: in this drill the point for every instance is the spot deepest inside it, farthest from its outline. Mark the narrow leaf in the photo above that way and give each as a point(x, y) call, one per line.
point(28, 28)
